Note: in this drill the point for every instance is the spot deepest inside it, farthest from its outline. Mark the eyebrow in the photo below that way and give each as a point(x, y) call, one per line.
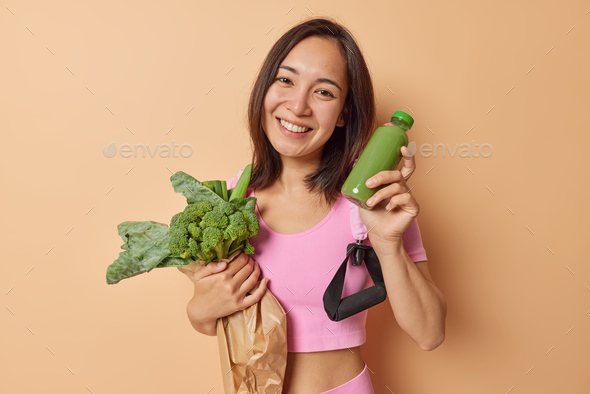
point(325, 80)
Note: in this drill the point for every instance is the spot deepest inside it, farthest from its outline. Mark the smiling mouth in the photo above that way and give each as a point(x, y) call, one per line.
point(293, 128)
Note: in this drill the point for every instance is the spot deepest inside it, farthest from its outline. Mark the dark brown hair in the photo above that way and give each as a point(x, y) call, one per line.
point(346, 143)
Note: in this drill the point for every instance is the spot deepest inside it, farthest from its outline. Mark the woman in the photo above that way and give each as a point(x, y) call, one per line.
point(310, 114)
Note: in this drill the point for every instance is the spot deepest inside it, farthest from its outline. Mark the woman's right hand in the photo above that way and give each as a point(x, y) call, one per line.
point(221, 290)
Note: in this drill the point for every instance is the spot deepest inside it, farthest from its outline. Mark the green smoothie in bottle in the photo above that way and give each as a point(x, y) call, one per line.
point(382, 153)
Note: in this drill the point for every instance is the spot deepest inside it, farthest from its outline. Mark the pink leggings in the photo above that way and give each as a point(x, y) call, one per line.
point(361, 384)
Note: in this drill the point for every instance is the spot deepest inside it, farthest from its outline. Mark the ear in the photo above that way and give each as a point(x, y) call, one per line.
point(342, 118)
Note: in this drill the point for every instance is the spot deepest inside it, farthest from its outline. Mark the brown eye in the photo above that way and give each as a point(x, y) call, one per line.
point(329, 94)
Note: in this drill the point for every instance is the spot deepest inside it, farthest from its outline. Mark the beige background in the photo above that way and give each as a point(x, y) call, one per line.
point(505, 236)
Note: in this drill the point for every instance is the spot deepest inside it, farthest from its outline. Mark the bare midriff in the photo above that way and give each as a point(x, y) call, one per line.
point(312, 373)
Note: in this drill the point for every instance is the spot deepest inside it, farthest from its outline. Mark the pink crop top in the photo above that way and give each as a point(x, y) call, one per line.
point(300, 267)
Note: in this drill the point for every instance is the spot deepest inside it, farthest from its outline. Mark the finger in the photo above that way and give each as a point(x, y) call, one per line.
point(209, 269)
point(409, 162)
point(410, 150)
point(244, 273)
point(384, 178)
point(249, 282)
point(237, 264)
point(404, 201)
point(253, 298)
point(388, 191)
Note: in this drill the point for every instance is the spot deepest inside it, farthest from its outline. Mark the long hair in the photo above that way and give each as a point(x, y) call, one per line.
point(346, 143)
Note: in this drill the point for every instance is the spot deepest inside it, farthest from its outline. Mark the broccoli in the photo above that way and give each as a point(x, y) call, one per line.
point(237, 226)
point(183, 229)
point(210, 231)
point(213, 239)
point(253, 224)
point(193, 247)
point(178, 234)
point(250, 230)
point(226, 208)
point(214, 218)
point(195, 231)
point(198, 210)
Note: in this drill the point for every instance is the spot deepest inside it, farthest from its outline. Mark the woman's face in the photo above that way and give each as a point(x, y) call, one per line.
point(308, 90)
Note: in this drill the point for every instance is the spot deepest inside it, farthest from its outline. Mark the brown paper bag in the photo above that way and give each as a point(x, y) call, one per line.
point(252, 342)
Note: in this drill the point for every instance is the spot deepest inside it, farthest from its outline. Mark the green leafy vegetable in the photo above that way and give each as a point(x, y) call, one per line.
point(145, 248)
point(214, 224)
point(193, 190)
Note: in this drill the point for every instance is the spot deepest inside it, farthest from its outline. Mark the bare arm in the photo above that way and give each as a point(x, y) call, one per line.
point(418, 305)
point(207, 328)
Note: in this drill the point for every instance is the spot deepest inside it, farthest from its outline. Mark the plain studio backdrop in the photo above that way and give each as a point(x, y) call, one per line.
point(505, 234)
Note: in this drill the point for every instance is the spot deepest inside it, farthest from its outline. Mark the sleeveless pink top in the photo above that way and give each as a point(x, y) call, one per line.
point(300, 267)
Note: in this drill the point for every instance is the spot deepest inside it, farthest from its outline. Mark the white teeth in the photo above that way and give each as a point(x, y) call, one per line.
point(292, 127)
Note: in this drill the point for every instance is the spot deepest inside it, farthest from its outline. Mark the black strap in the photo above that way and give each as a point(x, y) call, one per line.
point(339, 309)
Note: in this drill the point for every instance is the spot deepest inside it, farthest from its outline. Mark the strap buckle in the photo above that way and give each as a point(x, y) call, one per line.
point(338, 308)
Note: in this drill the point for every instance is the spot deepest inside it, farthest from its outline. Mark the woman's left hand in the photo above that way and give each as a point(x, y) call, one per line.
point(384, 226)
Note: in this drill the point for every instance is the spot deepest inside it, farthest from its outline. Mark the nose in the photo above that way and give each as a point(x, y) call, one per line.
point(298, 103)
